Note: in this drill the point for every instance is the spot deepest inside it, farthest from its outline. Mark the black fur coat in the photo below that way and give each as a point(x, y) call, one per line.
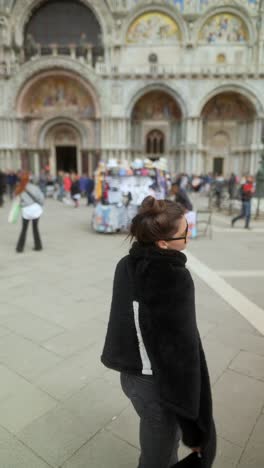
point(159, 281)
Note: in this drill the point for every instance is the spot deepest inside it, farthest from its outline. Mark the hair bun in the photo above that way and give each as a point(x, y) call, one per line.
point(152, 207)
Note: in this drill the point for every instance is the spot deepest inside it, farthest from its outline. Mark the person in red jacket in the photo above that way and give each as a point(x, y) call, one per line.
point(67, 183)
point(247, 191)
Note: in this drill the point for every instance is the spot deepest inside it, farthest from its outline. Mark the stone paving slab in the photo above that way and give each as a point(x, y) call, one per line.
point(238, 401)
point(72, 341)
point(249, 364)
point(11, 383)
point(23, 407)
point(74, 373)
point(30, 326)
point(24, 357)
point(104, 451)
point(251, 287)
point(253, 455)
point(55, 436)
point(13, 454)
point(97, 404)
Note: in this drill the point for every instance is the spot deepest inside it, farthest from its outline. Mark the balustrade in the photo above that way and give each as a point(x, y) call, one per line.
point(89, 53)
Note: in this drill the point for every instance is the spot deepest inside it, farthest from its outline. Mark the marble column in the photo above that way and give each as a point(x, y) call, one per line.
point(256, 145)
point(90, 163)
point(36, 164)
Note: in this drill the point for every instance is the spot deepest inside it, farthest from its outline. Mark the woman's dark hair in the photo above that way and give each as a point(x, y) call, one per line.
point(156, 220)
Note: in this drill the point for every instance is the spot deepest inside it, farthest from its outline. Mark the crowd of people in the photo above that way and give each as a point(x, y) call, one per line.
point(234, 187)
point(67, 186)
point(64, 187)
point(71, 187)
point(205, 183)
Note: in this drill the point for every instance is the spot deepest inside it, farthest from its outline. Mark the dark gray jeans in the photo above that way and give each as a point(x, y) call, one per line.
point(159, 431)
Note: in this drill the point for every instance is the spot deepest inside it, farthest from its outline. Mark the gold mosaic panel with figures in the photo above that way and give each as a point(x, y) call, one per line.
point(228, 106)
point(153, 27)
point(58, 93)
point(224, 27)
point(156, 105)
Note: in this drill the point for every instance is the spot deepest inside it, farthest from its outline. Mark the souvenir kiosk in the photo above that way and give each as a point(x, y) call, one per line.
point(120, 189)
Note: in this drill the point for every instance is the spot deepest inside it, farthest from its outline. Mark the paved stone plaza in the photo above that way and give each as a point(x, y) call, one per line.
point(59, 407)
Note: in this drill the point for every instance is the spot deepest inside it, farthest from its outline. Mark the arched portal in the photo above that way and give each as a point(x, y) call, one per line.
point(65, 143)
point(58, 113)
point(228, 129)
point(156, 126)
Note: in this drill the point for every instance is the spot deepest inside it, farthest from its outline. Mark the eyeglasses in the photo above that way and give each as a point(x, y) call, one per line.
point(180, 238)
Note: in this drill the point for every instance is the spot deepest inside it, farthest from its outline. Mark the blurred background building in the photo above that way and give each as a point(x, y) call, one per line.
point(86, 80)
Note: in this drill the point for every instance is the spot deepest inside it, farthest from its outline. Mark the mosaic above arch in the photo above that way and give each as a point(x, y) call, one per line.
point(154, 27)
point(156, 105)
point(228, 106)
point(224, 27)
point(54, 94)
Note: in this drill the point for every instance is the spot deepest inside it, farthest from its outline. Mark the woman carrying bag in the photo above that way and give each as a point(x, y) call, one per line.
point(31, 201)
point(153, 341)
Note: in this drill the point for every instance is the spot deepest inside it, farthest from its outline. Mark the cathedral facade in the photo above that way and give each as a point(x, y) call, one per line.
point(88, 80)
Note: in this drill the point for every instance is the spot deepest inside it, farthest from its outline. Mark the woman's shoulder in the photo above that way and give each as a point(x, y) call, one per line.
point(122, 264)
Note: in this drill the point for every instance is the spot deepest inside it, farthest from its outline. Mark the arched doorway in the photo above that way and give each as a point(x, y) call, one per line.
point(219, 150)
point(228, 128)
point(48, 28)
point(59, 112)
point(64, 143)
point(156, 127)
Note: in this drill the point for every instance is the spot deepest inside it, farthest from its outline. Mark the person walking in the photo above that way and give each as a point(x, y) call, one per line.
point(31, 200)
point(90, 191)
point(2, 187)
point(181, 196)
point(153, 341)
point(219, 187)
point(67, 183)
point(247, 190)
point(232, 186)
point(11, 181)
point(43, 182)
point(60, 183)
point(75, 190)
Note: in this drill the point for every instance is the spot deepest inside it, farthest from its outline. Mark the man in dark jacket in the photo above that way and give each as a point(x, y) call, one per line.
point(90, 190)
point(2, 187)
point(181, 197)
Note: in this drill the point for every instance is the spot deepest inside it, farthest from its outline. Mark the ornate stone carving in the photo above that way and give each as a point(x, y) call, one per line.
point(4, 33)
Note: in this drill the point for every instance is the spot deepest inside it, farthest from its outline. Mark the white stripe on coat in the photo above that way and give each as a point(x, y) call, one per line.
point(146, 365)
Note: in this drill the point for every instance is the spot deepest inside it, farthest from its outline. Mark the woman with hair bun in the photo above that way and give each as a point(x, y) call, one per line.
point(153, 341)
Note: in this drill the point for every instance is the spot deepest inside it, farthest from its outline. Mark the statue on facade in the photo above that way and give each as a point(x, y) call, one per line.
point(3, 31)
point(31, 46)
point(83, 44)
